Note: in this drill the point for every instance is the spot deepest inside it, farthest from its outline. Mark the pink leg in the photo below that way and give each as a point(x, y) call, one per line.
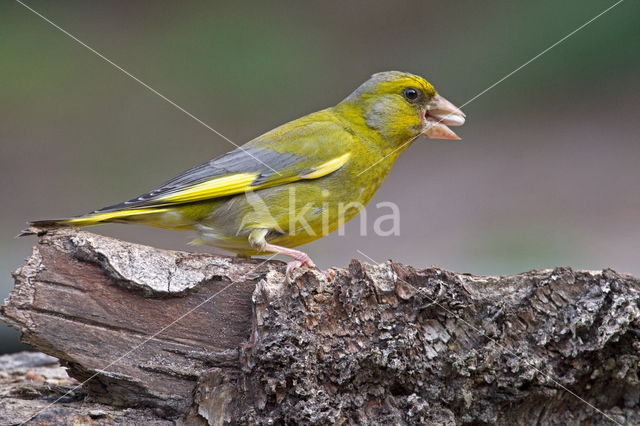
point(299, 258)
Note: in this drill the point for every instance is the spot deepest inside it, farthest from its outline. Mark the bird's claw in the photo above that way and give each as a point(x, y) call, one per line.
point(328, 275)
point(299, 261)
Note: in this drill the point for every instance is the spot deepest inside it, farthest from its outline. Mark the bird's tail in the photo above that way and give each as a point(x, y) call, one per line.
point(90, 219)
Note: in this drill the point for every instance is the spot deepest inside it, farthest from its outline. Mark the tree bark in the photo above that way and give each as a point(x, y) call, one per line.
point(207, 339)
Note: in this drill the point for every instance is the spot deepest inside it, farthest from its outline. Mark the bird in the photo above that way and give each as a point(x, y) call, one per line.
point(295, 183)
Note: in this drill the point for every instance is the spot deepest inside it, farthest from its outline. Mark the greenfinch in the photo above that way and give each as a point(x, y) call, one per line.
point(297, 182)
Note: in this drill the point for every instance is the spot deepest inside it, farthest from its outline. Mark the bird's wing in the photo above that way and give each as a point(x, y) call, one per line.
point(309, 150)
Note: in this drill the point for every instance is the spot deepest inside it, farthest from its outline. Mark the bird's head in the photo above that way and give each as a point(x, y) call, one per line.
point(400, 107)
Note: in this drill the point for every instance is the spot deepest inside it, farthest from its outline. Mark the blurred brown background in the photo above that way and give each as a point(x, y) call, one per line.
point(547, 173)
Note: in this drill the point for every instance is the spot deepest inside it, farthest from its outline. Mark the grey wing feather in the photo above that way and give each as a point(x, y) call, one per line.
point(249, 159)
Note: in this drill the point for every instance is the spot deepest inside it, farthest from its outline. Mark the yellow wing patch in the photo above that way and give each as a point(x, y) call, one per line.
point(92, 219)
point(326, 168)
point(220, 187)
point(240, 182)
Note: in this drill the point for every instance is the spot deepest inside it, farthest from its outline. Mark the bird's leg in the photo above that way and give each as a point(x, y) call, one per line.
point(257, 239)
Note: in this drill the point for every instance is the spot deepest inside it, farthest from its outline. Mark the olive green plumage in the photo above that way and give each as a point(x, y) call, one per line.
point(297, 182)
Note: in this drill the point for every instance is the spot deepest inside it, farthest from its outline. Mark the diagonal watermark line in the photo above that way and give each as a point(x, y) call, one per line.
point(541, 53)
point(495, 342)
point(145, 341)
point(397, 149)
point(504, 78)
point(145, 85)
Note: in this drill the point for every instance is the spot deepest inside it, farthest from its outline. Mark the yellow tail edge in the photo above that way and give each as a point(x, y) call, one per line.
point(41, 226)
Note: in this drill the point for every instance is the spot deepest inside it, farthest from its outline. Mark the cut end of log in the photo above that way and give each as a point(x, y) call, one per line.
point(215, 340)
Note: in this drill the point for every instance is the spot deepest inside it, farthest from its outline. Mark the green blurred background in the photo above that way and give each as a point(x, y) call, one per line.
point(547, 174)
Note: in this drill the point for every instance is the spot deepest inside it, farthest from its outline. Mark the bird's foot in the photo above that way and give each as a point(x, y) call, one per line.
point(299, 261)
point(329, 274)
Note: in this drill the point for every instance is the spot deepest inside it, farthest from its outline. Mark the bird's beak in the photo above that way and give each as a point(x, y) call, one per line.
point(441, 113)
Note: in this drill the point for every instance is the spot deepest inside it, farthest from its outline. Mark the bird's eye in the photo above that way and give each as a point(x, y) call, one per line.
point(410, 93)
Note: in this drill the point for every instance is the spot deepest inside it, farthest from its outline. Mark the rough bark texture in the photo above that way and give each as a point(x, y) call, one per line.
point(91, 301)
point(376, 344)
point(31, 381)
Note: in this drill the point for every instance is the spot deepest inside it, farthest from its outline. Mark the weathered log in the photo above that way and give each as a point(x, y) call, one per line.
point(90, 300)
point(31, 381)
point(214, 339)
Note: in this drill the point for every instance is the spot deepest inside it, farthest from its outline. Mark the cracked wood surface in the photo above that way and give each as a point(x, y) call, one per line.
point(89, 300)
point(30, 381)
point(377, 344)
